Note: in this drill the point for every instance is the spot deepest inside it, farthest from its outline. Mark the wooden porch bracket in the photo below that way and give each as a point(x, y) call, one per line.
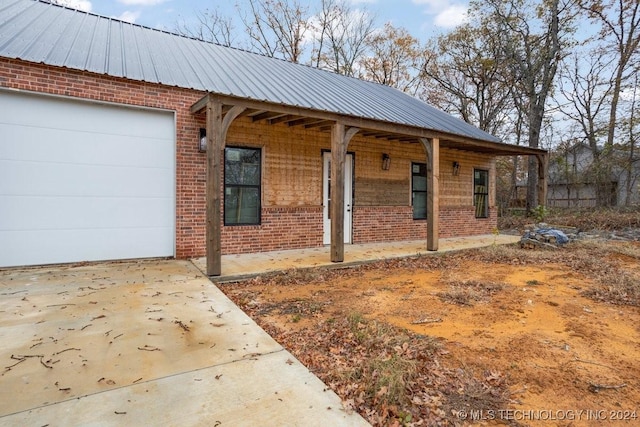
point(432, 148)
point(340, 137)
point(543, 167)
point(217, 127)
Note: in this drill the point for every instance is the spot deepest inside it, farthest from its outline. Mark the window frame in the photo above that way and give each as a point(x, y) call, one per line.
point(413, 191)
point(242, 186)
point(481, 211)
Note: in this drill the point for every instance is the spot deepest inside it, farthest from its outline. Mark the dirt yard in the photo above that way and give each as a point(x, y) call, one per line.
point(497, 336)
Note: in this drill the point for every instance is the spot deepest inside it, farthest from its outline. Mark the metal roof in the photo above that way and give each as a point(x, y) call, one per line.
point(40, 32)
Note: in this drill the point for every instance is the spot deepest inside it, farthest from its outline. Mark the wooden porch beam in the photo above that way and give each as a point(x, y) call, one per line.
point(303, 121)
point(217, 126)
point(340, 137)
point(318, 124)
point(283, 119)
point(432, 148)
point(368, 134)
point(266, 115)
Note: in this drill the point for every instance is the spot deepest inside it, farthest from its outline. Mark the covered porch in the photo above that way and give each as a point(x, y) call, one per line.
point(220, 111)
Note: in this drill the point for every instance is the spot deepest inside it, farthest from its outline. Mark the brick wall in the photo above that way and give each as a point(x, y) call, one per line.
point(462, 221)
point(281, 228)
point(386, 223)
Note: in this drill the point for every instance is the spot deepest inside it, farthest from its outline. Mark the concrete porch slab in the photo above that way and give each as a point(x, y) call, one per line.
point(145, 343)
point(235, 267)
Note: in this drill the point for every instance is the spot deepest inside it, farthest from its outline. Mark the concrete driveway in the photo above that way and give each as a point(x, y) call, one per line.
point(145, 343)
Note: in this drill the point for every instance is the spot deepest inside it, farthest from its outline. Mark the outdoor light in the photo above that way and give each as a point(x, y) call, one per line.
point(386, 162)
point(456, 168)
point(202, 142)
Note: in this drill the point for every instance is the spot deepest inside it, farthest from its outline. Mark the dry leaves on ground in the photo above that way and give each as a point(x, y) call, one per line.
point(343, 325)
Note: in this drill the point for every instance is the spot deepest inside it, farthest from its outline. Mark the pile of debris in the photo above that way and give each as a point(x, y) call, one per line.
point(545, 235)
point(554, 236)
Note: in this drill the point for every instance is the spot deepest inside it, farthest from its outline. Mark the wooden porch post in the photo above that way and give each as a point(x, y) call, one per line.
point(432, 147)
point(543, 166)
point(217, 128)
point(215, 147)
point(339, 143)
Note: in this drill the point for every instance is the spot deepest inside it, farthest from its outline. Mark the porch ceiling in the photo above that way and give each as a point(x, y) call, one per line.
point(292, 116)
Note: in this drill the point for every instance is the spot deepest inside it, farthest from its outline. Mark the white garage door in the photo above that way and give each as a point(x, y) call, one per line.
point(83, 181)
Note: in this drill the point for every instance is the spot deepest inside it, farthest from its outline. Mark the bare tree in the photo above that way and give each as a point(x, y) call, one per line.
point(618, 41)
point(340, 37)
point(585, 91)
point(467, 76)
point(334, 38)
point(631, 164)
point(211, 26)
point(276, 28)
point(532, 48)
point(620, 31)
point(395, 59)
point(469, 79)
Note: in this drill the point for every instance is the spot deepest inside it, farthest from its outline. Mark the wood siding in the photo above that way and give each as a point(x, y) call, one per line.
point(292, 167)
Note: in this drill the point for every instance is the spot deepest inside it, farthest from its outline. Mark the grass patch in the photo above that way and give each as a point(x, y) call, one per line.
point(619, 289)
point(389, 378)
point(477, 394)
point(469, 292)
point(393, 376)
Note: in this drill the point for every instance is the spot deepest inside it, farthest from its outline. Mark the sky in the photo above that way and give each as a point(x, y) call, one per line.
point(422, 18)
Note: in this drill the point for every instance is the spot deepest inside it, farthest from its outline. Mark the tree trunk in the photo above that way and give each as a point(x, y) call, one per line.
point(536, 111)
point(514, 181)
point(532, 185)
point(538, 91)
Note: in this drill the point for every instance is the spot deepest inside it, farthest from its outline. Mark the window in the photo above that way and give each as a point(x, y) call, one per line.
point(481, 192)
point(419, 190)
point(242, 177)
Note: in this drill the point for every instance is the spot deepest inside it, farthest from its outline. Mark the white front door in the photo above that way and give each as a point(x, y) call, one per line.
point(326, 197)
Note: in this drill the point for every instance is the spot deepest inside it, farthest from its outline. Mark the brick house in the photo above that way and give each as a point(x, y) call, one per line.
point(119, 141)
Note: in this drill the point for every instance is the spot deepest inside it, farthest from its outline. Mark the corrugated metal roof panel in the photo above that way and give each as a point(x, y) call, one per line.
point(131, 57)
point(149, 72)
point(65, 43)
point(115, 51)
point(96, 60)
point(40, 32)
point(14, 43)
point(76, 49)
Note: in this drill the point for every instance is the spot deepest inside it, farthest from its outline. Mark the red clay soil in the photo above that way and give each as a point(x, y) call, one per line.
point(494, 336)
